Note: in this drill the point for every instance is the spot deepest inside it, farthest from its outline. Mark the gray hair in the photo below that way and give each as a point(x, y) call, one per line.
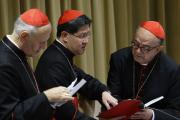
point(20, 26)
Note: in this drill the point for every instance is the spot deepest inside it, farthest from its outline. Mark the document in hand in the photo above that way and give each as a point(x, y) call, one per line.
point(72, 89)
point(125, 108)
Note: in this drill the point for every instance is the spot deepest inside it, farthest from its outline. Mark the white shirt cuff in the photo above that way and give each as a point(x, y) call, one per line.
point(153, 117)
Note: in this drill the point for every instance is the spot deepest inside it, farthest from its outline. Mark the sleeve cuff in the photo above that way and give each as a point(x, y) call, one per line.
point(153, 116)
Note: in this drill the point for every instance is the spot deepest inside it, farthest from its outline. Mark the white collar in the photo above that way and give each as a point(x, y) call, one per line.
point(8, 36)
point(59, 42)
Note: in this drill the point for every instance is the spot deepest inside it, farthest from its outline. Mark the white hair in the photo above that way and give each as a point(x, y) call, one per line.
point(20, 26)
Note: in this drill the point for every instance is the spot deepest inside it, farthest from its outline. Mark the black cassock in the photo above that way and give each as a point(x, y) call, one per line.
point(19, 97)
point(164, 80)
point(55, 68)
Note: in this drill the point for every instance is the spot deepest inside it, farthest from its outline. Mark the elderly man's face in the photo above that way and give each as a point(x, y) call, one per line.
point(37, 41)
point(145, 46)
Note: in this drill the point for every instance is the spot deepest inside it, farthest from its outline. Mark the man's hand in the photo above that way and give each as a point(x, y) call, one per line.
point(145, 114)
point(58, 94)
point(108, 99)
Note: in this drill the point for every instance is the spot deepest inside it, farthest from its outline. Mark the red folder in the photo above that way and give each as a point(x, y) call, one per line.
point(124, 108)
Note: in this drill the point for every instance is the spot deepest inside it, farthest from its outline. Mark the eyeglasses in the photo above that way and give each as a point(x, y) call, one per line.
point(143, 48)
point(82, 35)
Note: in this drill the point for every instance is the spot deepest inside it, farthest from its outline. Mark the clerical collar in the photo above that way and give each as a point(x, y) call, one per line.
point(8, 36)
point(149, 64)
point(59, 42)
point(19, 52)
point(67, 52)
point(144, 64)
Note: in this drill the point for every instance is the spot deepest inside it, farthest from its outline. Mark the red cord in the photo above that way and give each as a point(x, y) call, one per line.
point(75, 103)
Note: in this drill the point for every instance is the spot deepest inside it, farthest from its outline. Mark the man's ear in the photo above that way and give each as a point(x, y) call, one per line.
point(162, 47)
point(24, 35)
point(64, 36)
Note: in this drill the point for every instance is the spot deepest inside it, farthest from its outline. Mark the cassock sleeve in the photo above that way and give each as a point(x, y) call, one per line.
point(93, 88)
point(171, 109)
point(14, 105)
point(114, 80)
point(59, 75)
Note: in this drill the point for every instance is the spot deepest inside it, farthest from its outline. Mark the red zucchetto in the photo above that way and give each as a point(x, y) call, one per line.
point(155, 28)
point(34, 17)
point(69, 15)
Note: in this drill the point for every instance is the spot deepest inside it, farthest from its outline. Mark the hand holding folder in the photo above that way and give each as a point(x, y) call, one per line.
point(126, 108)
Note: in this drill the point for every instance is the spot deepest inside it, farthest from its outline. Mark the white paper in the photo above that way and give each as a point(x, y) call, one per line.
point(72, 84)
point(72, 89)
point(153, 101)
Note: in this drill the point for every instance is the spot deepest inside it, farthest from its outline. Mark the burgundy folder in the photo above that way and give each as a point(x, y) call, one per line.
point(125, 108)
